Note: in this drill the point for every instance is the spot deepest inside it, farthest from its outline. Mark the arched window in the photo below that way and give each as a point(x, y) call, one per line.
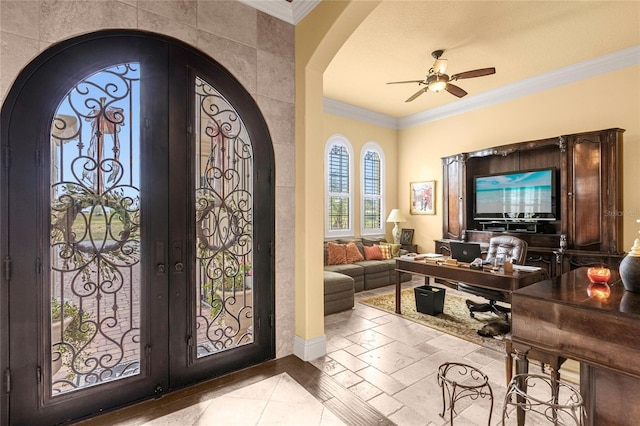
point(338, 187)
point(372, 189)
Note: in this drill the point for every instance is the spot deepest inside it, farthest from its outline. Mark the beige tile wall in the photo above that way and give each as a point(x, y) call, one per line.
point(256, 48)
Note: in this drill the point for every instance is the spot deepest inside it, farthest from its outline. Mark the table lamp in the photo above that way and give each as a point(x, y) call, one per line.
point(396, 216)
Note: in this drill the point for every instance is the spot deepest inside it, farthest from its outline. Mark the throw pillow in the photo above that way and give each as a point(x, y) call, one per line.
point(372, 242)
point(353, 254)
point(372, 253)
point(337, 254)
point(385, 251)
point(358, 244)
point(395, 250)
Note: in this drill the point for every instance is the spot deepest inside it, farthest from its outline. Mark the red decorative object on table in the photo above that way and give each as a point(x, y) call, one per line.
point(599, 274)
point(600, 291)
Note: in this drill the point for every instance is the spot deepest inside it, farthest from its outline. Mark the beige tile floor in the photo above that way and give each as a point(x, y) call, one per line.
point(387, 361)
point(278, 400)
point(392, 364)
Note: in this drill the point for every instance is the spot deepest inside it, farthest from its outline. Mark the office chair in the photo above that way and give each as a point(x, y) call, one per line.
point(504, 246)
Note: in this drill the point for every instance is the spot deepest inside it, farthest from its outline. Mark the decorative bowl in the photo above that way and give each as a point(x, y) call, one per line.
point(599, 274)
point(599, 290)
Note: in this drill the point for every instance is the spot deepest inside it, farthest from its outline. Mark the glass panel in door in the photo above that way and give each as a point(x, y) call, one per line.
point(95, 231)
point(107, 215)
point(224, 218)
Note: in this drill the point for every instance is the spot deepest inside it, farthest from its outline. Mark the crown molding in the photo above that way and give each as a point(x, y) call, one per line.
point(550, 80)
point(301, 8)
point(291, 12)
point(343, 109)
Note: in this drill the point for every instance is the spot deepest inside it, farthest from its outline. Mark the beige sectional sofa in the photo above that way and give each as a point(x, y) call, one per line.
point(366, 274)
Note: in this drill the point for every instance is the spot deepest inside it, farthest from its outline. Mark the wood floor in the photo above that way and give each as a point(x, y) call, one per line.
point(339, 400)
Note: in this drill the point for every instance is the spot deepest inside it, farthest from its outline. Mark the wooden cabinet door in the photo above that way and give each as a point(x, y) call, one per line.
point(454, 196)
point(593, 196)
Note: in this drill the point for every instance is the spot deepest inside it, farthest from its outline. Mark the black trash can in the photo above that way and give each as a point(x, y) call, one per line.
point(429, 300)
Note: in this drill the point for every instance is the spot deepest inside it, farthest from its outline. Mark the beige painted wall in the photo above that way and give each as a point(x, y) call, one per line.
point(607, 101)
point(318, 38)
point(359, 133)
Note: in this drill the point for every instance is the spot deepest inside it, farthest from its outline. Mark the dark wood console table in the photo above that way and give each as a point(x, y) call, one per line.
point(538, 255)
point(557, 317)
point(506, 282)
point(502, 281)
point(544, 251)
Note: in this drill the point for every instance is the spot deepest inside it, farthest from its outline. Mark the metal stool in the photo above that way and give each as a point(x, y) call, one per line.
point(462, 381)
point(556, 401)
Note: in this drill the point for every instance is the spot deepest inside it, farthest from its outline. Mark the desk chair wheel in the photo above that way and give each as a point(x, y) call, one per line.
point(492, 306)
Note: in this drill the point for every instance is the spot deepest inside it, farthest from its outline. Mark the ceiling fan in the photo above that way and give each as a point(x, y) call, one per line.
point(437, 80)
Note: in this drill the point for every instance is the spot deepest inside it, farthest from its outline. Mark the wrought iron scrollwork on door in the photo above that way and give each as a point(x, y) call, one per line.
point(224, 219)
point(95, 231)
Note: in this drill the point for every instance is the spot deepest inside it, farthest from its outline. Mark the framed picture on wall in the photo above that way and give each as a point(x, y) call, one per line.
point(406, 236)
point(423, 197)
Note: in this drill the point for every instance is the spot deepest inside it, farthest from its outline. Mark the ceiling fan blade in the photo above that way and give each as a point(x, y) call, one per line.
point(474, 73)
point(418, 93)
point(455, 90)
point(407, 81)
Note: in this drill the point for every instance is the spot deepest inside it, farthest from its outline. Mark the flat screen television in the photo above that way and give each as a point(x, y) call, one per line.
point(523, 195)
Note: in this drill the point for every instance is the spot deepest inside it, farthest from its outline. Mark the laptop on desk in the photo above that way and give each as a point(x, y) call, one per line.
point(464, 252)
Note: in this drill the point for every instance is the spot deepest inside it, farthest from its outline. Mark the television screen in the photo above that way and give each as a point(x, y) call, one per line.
point(524, 195)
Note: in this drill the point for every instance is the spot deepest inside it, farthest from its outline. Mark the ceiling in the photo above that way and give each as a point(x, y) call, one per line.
point(521, 39)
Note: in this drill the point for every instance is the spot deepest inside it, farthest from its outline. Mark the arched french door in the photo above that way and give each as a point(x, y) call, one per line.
point(137, 226)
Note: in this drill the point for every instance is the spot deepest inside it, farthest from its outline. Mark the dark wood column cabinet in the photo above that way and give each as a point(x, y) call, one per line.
point(453, 180)
point(588, 226)
point(593, 196)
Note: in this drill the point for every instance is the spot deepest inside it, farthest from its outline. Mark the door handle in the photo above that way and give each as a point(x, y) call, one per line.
point(177, 254)
point(161, 268)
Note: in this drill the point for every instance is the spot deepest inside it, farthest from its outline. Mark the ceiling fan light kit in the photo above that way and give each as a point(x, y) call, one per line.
point(437, 80)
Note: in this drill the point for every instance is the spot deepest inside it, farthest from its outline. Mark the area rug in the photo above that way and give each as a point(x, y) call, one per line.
point(454, 320)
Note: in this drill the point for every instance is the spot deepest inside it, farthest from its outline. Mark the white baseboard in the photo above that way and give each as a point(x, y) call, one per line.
point(308, 350)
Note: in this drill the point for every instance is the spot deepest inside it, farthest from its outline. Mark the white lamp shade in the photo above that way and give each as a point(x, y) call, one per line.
point(440, 66)
point(396, 216)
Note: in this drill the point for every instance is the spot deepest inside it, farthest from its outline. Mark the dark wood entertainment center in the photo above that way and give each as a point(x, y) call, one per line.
point(588, 229)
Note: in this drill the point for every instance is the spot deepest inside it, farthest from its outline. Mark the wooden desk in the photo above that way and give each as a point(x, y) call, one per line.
point(506, 282)
point(559, 318)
